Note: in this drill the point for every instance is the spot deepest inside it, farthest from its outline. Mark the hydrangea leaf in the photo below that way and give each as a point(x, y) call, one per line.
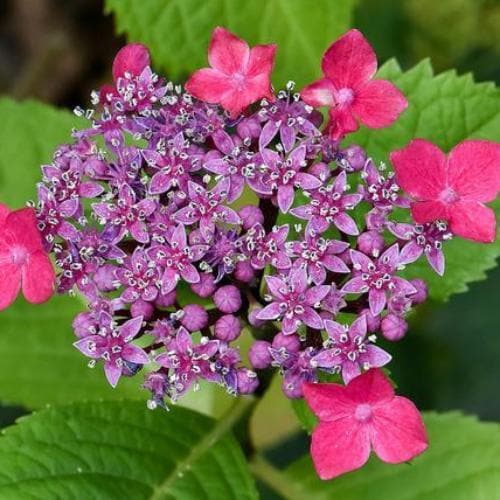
point(117, 450)
point(445, 109)
point(178, 31)
point(29, 133)
point(462, 462)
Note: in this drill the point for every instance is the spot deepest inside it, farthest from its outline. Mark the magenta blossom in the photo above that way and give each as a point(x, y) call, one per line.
point(238, 75)
point(348, 351)
point(176, 258)
point(207, 208)
point(348, 90)
point(318, 255)
point(378, 278)
point(452, 188)
point(329, 205)
point(280, 177)
point(112, 344)
point(364, 414)
point(293, 302)
point(23, 261)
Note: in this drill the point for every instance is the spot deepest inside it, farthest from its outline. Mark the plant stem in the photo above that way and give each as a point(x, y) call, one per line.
point(220, 428)
point(275, 479)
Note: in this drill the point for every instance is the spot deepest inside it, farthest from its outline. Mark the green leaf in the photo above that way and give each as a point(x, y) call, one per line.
point(29, 133)
point(462, 462)
point(178, 31)
point(117, 450)
point(444, 109)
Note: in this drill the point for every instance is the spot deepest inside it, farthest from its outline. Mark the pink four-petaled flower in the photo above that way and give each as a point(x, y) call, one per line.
point(349, 90)
point(238, 76)
point(354, 418)
point(23, 261)
point(453, 188)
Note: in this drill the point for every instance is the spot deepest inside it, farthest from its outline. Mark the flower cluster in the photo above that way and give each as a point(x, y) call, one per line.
point(187, 217)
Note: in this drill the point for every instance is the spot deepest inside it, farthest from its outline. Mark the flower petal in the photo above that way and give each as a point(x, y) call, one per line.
point(398, 433)
point(319, 93)
point(38, 278)
point(379, 104)
point(261, 62)
point(113, 372)
point(339, 447)
point(21, 228)
point(227, 53)
point(377, 300)
point(135, 354)
point(429, 211)
point(350, 61)
point(474, 170)
point(328, 401)
point(10, 284)
point(132, 58)
point(473, 221)
point(208, 85)
point(271, 311)
point(420, 169)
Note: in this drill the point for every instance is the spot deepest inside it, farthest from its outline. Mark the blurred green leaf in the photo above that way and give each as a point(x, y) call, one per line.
point(29, 133)
point(444, 109)
point(118, 450)
point(178, 31)
point(462, 462)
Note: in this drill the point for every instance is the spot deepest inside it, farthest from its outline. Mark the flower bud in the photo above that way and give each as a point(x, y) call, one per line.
point(227, 299)
point(142, 308)
point(394, 327)
point(371, 243)
point(166, 300)
point(290, 342)
point(205, 287)
point(247, 381)
point(227, 328)
point(355, 156)
point(248, 127)
point(259, 354)
point(195, 317)
point(421, 295)
point(321, 170)
point(251, 215)
point(244, 271)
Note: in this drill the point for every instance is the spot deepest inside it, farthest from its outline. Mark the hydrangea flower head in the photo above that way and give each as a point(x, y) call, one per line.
point(146, 213)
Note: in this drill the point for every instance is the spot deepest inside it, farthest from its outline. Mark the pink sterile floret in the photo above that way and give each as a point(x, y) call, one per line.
point(364, 414)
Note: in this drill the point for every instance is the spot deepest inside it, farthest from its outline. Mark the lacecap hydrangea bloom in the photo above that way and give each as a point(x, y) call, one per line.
point(189, 217)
